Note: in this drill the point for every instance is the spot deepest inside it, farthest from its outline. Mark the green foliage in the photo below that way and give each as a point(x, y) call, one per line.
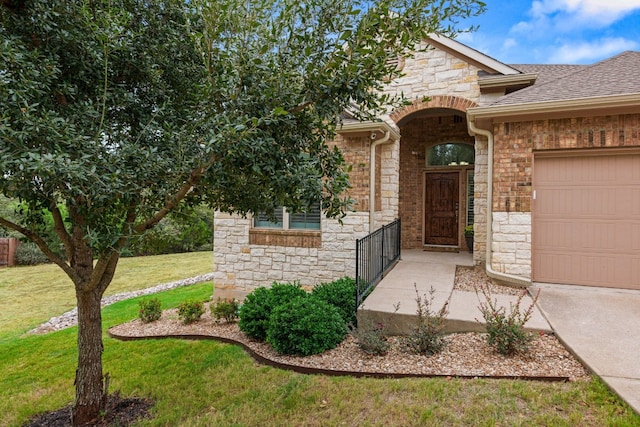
point(427, 337)
point(255, 312)
point(258, 305)
point(121, 111)
point(190, 311)
point(29, 253)
point(341, 294)
point(468, 230)
point(188, 230)
point(149, 310)
point(505, 331)
point(305, 326)
point(225, 309)
point(371, 338)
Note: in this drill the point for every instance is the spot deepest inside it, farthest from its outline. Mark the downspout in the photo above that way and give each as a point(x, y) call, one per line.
point(372, 176)
point(509, 278)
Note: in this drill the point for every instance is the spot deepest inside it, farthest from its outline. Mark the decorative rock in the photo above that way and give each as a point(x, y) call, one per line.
point(70, 318)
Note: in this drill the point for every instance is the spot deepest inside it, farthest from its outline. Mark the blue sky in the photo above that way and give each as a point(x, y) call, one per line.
point(556, 31)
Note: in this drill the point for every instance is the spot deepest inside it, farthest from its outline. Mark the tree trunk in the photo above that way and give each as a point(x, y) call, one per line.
point(90, 395)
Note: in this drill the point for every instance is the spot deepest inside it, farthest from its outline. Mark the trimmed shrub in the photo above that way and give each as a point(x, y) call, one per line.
point(505, 331)
point(226, 309)
point(427, 337)
point(190, 311)
point(149, 310)
point(305, 326)
point(258, 305)
point(28, 253)
point(341, 294)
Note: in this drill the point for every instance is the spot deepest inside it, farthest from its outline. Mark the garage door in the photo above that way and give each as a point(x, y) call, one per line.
point(586, 219)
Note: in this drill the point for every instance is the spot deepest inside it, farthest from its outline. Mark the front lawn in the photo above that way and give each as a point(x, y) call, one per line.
point(205, 383)
point(31, 295)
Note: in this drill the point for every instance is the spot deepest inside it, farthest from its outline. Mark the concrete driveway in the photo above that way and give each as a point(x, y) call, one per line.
point(601, 326)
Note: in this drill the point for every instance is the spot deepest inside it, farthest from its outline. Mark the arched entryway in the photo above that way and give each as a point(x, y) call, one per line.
point(436, 188)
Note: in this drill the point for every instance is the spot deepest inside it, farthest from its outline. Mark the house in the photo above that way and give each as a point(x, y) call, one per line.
point(543, 161)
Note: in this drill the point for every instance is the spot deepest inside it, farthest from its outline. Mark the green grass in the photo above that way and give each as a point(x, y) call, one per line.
point(205, 383)
point(31, 295)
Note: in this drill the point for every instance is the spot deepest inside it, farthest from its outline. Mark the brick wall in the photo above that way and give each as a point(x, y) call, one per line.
point(356, 153)
point(417, 136)
point(515, 144)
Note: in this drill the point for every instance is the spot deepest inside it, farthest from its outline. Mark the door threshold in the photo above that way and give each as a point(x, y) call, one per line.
point(441, 248)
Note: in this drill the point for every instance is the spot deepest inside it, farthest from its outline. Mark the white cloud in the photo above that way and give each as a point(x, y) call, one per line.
point(571, 13)
point(590, 52)
point(509, 43)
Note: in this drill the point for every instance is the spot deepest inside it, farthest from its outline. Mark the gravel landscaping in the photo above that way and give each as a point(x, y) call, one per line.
point(465, 355)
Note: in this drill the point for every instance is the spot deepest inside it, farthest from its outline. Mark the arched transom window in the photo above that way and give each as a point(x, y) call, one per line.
point(450, 154)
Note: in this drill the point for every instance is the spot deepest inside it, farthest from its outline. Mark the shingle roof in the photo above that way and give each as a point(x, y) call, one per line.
point(618, 75)
point(547, 73)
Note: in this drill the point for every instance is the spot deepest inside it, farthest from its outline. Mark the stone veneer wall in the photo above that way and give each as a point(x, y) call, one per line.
point(514, 148)
point(511, 244)
point(245, 259)
point(436, 73)
point(481, 179)
point(243, 267)
point(437, 79)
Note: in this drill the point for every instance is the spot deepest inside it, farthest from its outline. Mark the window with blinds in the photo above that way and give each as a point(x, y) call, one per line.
point(263, 221)
point(309, 220)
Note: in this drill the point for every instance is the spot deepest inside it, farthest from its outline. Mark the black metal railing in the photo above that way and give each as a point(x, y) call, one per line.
point(375, 254)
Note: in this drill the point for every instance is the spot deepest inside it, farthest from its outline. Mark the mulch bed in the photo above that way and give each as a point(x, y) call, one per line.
point(121, 412)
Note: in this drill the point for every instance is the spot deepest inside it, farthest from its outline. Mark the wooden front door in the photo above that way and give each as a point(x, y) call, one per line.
point(441, 208)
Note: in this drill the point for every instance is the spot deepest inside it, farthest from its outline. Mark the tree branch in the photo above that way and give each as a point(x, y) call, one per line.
point(43, 247)
point(300, 107)
point(194, 177)
point(106, 266)
point(61, 231)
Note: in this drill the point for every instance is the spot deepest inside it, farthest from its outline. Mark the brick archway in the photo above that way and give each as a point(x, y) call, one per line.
point(429, 221)
point(447, 101)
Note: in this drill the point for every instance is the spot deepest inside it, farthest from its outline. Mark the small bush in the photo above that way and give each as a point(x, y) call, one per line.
point(427, 337)
point(150, 310)
point(28, 253)
point(341, 294)
point(226, 309)
point(372, 337)
point(190, 311)
point(305, 326)
point(505, 331)
point(257, 307)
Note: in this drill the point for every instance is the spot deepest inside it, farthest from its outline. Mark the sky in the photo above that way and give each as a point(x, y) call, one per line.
point(555, 31)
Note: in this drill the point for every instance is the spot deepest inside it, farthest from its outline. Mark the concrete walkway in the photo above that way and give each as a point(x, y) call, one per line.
point(601, 326)
point(423, 271)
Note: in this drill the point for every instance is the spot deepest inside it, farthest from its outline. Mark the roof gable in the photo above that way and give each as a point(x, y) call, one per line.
point(470, 55)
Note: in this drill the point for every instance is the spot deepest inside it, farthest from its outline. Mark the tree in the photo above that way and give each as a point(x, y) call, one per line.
point(122, 110)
